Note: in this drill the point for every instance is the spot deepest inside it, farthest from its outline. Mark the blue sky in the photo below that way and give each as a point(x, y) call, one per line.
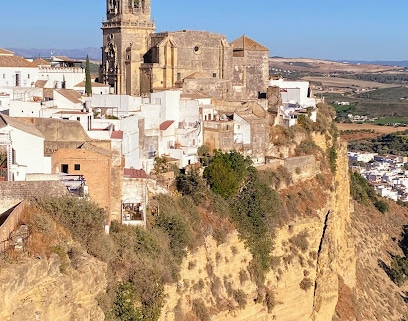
point(330, 29)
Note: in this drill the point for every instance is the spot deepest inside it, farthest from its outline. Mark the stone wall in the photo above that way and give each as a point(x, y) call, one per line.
point(301, 167)
point(11, 193)
point(11, 220)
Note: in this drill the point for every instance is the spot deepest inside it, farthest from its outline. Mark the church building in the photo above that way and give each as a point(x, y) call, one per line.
point(137, 61)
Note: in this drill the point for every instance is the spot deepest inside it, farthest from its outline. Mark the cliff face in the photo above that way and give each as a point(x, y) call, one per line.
point(37, 290)
point(312, 255)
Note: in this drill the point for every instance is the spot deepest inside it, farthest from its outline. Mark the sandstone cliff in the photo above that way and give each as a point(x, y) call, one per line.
point(37, 290)
point(312, 252)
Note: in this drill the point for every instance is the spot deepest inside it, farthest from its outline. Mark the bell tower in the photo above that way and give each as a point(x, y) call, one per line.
point(126, 38)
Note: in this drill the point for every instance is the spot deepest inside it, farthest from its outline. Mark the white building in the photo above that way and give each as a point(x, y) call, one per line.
point(24, 145)
point(62, 73)
point(295, 92)
point(361, 157)
point(16, 71)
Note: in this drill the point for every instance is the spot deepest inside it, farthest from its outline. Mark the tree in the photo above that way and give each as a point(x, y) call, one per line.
point(226, 172)
point(88, 85)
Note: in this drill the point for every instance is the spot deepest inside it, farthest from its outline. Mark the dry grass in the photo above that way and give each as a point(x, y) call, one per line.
point(366, 130)
point(375, 236)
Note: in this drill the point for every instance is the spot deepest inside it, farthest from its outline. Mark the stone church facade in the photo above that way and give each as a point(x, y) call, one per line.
point(137, 61)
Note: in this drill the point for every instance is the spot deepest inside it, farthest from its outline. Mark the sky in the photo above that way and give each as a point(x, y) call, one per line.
point(325, 29)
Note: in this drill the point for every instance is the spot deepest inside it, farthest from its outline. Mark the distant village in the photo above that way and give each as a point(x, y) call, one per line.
point(386, 173)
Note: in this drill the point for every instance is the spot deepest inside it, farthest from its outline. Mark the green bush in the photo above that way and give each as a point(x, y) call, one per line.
point(192, 184)
point(226, 172)
point(399, 270)
point(124, 306)
point(255, 213)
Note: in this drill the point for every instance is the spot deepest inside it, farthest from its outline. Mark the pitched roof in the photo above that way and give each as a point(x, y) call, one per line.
point(198, 75)
point(41, 62)
point(94, 84)
point(15, 61)
point(246, 43)
point(19, 124)
point(6, 52)
point(134, 173)
point(166, 124)
point(71, 95)
point(40, 83)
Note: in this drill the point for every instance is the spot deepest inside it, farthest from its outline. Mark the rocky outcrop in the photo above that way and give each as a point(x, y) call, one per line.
point(37, 290)
point(311, 254)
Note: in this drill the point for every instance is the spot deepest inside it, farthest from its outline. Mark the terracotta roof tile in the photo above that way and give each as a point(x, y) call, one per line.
point(6, 52)
point(94, 84)
point(245, 43)
point(166, 124)
point(15, 61)
point(40, 83)
point(134, 173)
point(117, 134)
point(71, 95)
point(41, 62)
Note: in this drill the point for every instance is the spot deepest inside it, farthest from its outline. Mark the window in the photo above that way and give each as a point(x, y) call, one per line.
point(28, 76)
point(4, 76)
point(214, 75)
point(64, 168)
point(18, 80)
point(178, 76)
point(77, 167)
point(78, 118)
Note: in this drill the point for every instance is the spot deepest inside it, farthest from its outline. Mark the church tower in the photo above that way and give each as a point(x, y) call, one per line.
point(126, 38)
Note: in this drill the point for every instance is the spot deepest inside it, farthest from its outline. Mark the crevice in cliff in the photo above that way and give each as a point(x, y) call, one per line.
point(318, 255)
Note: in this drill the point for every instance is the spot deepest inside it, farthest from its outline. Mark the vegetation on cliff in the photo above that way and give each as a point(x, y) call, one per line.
point(231, 194)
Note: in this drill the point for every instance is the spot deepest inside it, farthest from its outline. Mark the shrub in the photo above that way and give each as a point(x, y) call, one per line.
point(243, 276)
point(124, 306)
point(240, 297)
point(83, 218)
point(399, 270)
point(382, 206)
point(306, 147)
point(192, 184)
point(270, 300)
point(300, 241)
point(306, 284)
point(201, 310)
point(226, 171)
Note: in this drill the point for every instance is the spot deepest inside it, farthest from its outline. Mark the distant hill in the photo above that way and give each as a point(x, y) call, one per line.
point(402, 63)
point(92, 52)
point(320, 66)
